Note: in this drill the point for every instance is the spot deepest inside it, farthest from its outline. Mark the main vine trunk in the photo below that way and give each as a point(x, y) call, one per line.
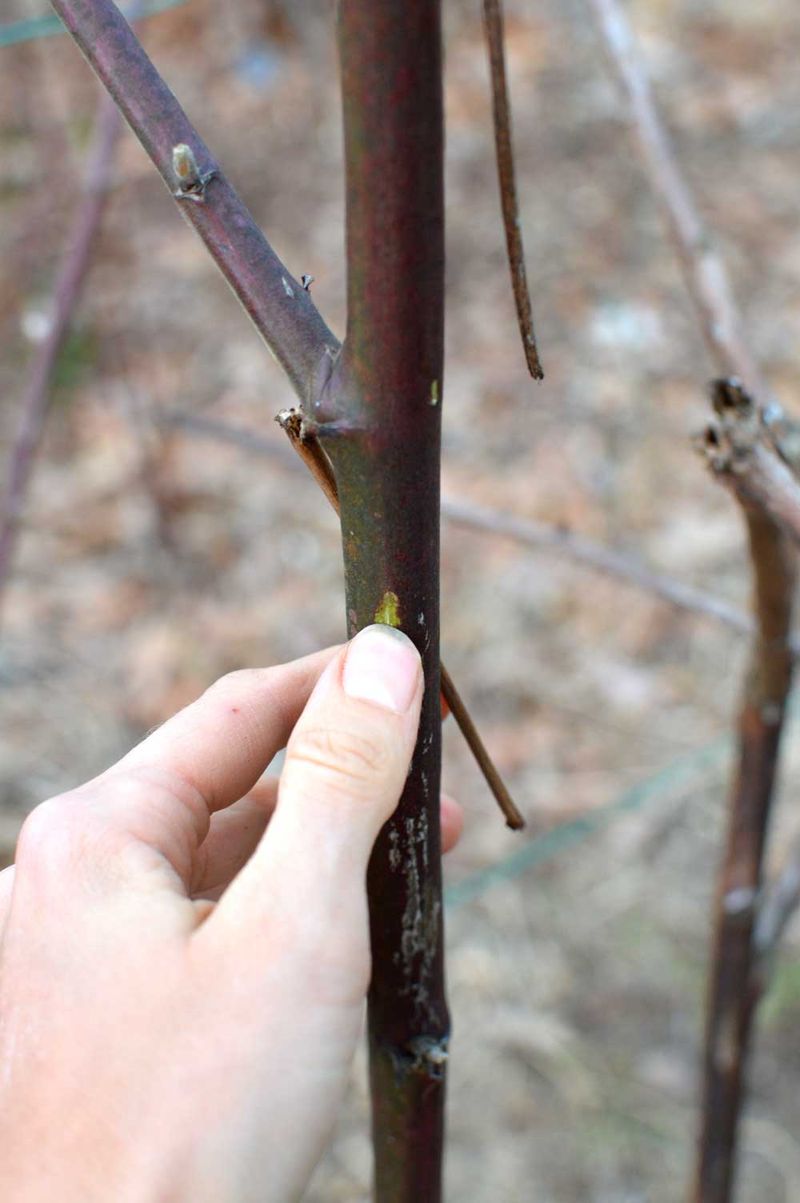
point(380, 421)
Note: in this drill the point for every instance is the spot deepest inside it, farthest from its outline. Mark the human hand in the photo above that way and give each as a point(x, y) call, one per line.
point(156, 1044)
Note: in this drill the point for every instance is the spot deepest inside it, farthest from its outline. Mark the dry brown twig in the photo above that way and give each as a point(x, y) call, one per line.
point(745, 452)
point(504, 151)
point(741, 453)
point(304, 441)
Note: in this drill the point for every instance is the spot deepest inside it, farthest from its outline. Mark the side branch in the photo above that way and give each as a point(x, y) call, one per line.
point(280, 308)
point(504, 150)
point(736, 975)
point(703, 269)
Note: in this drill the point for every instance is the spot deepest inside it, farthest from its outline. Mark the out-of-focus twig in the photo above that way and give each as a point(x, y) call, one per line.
point(703, 269)
point(759, 474)
point(594, 555)
point(736, 980)
point(67, 291)
point(501, 111)
point(541, 536)
point(201, 426)
point(303, 440)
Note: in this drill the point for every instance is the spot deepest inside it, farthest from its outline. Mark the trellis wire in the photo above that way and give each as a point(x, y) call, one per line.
point(48, 25)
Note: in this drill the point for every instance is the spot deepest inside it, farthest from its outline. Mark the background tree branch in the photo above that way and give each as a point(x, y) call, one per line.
point(530, 532)
point(704, 271)
point(736, 981)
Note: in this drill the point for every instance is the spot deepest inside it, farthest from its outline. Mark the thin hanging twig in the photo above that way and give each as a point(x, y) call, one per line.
point(303, 439)
point(476, 745)
point(585, 551)
point(504, 149)
point(305, 442)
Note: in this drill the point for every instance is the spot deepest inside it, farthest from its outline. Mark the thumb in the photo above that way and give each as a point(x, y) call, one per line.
point(348, 755)
point(346, 764)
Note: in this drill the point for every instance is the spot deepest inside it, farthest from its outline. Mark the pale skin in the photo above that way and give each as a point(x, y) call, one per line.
point(184, 948)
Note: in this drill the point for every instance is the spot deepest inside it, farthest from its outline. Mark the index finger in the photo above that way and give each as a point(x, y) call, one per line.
point(162, 794)
point(220, 745)
point(160, 797)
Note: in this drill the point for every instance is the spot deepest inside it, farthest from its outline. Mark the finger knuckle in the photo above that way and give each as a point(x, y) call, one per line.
point(153, 791)
point(241, 683)
point(49, 834)
point(230, 683)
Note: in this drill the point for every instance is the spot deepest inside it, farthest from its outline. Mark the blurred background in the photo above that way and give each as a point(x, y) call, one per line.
point(169, 536)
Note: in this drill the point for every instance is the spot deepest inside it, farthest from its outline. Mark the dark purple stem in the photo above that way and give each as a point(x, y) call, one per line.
point(68, 288)
point(279, 306)
point(382, 433)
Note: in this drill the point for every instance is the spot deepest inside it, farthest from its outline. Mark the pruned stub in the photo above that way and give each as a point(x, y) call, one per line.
point(731, 439)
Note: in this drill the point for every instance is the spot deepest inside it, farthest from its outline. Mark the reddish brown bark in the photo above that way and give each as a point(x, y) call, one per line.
point(381, 429)
point(735, 982)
